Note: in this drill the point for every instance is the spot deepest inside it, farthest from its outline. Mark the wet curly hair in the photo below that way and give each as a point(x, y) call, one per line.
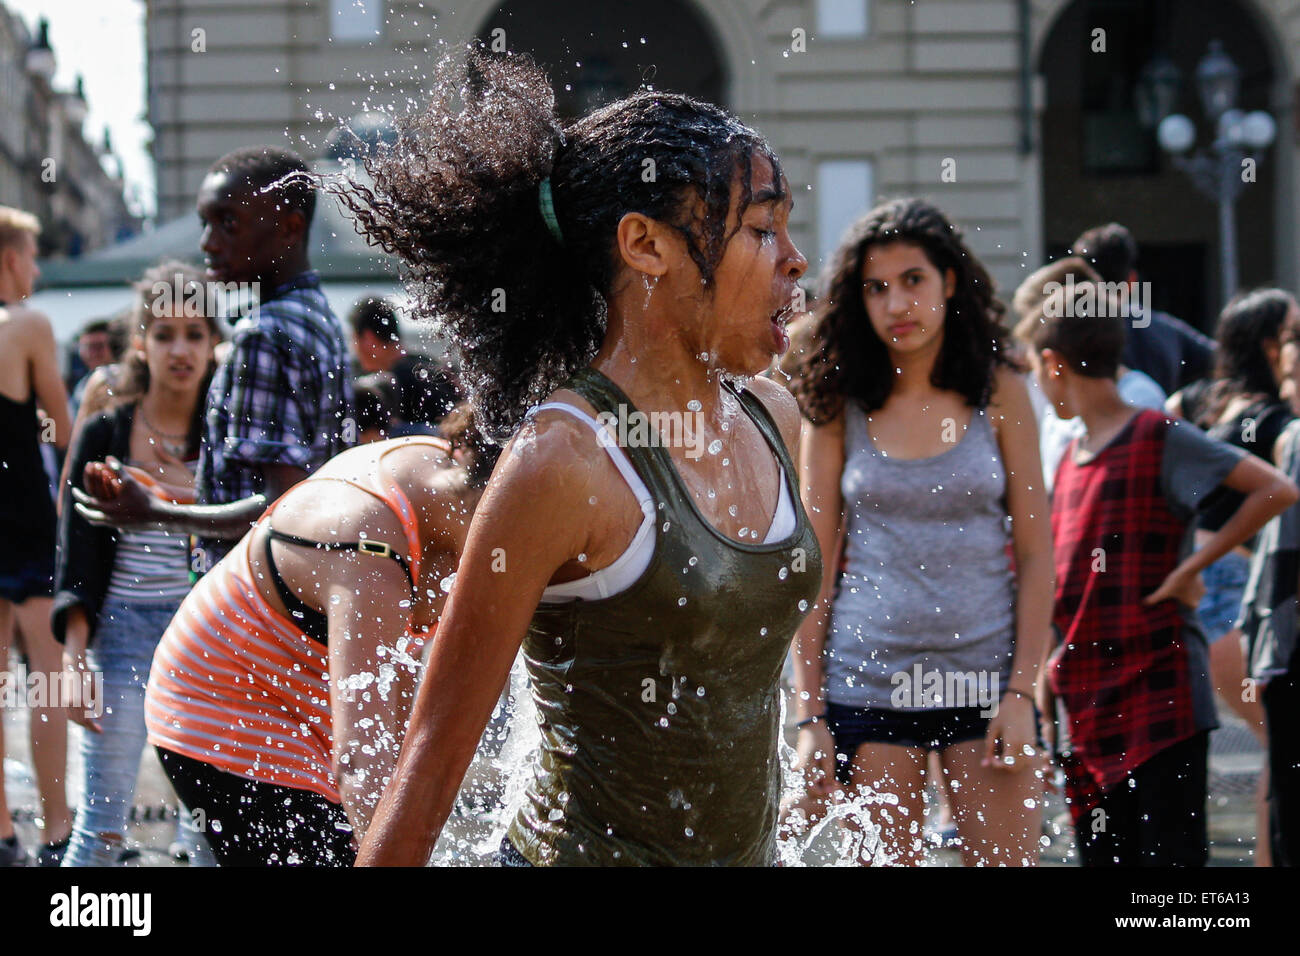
point(851, 361)
point(455, 197)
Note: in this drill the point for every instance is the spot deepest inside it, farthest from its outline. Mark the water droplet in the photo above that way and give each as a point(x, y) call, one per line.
point(715, 446)
point(783, 573)
point(694, 404)
point(693, 561)
point(681, 602)
point(803, 605)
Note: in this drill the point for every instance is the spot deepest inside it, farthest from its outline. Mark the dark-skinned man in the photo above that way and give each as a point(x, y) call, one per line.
point(279, 404)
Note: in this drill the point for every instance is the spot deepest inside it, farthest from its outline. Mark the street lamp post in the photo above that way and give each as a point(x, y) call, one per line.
point(1219, 170)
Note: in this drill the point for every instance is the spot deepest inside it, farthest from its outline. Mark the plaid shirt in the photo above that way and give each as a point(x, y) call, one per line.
point(1122, 670)
point(281, 397)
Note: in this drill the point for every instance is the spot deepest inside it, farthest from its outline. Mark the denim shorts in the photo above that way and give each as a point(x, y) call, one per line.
point(935, 728)
point(1225, 583)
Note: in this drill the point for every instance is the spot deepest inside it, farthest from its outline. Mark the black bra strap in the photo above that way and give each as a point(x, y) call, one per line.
point(312, 622)
point(377, 548)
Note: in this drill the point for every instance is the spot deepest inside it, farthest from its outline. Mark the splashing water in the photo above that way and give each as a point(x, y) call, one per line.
point(494, 786)
point(845, 835)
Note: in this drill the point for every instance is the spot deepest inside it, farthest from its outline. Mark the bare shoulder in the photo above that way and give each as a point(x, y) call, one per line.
point(554, 459)
point(780, 404)
point(29, 325)
point(1010, 403)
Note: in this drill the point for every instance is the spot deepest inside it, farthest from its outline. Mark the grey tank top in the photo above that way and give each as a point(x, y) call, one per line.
point(927, 584)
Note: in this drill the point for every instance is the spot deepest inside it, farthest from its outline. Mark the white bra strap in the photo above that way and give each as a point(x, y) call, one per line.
point(610, 444)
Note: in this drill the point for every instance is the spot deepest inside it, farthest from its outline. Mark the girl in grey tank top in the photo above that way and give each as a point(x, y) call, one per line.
point(927, 577)
point(923, 463)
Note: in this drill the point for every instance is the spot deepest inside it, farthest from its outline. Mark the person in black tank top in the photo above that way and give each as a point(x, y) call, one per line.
point(29, 380)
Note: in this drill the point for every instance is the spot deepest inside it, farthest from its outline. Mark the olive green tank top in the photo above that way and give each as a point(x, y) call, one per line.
point(659, 706)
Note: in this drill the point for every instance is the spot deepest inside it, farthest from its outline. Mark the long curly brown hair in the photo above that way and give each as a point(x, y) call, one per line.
point(456, 198)
point(849, 359)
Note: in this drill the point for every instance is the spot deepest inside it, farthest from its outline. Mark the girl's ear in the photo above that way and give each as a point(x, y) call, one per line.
point(1053, 363)
point(949, 283)
point(641, 244)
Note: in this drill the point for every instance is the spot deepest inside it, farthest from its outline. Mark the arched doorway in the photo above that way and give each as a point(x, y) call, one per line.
point(597, 51)
point(1100, 164)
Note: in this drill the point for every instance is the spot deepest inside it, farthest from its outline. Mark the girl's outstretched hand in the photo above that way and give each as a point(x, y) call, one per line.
point(117, 498)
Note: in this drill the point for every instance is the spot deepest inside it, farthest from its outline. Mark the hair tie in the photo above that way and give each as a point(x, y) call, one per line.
point(546, 203)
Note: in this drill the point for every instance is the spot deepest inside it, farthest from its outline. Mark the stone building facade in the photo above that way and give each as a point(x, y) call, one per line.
point(47, 167)
point(1002, 111)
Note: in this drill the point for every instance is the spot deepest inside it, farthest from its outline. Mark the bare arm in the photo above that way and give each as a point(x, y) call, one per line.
point(821, 463)
point(134, 506)
point(534, 515)
point(1031, 530)
point(47, 383)
point(1268, 493)
point(371, 694)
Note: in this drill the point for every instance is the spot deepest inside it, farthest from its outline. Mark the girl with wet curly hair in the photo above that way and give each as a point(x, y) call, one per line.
point(921, 467)
point(641, 534)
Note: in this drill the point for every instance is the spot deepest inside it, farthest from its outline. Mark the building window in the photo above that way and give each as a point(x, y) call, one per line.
point(842, 18)
point(844, 191)
point(356, 21)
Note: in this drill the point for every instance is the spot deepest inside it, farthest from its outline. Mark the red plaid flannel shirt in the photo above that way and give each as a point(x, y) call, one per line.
point(1122, 669)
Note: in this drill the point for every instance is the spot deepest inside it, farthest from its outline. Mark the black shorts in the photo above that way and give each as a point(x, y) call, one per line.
point(252, 823)
point(935, 728)
point(1154, 817)
point(26, 566)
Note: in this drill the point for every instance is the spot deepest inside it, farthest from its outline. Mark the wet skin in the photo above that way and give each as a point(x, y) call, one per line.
point(556, 506)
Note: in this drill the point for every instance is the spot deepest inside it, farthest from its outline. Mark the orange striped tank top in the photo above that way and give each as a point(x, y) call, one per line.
point(239, 686)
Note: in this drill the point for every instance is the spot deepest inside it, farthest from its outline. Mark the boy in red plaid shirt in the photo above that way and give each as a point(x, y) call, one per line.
point(1132, 669)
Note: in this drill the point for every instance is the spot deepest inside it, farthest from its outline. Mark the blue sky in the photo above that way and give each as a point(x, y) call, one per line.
point(103, 40)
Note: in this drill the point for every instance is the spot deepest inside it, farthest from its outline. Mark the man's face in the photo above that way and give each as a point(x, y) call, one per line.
point(245, 236)
point(94, 349)
point(19, 260)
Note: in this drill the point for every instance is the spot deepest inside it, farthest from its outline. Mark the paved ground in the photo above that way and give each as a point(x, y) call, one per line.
point(1235, 760)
